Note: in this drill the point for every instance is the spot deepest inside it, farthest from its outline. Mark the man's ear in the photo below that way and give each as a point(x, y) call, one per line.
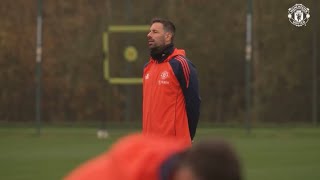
point(168, 36)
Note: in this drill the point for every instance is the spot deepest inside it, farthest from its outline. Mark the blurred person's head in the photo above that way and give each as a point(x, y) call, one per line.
point(208, 160)
point(161, 34)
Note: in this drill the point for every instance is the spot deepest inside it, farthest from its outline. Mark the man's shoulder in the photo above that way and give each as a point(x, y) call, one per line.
point(146, 64)
point(180, 61)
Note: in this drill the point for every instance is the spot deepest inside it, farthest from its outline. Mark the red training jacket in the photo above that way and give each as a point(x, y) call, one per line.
point(164, 108)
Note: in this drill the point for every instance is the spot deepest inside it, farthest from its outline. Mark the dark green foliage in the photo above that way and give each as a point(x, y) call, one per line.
point(211, 32)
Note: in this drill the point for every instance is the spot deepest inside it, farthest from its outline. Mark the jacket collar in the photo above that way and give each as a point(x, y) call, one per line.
point(163, 54)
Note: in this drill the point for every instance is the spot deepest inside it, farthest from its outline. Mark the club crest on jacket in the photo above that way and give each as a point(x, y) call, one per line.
point(164, 75)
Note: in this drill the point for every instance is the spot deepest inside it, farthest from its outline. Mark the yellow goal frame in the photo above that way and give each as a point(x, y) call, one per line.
point(106, 50)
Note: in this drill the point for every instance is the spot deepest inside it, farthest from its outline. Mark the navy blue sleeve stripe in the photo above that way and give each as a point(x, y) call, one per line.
point(185, 68)
point(186, 74)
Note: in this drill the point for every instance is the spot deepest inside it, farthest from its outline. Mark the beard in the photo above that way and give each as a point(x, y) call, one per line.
point(156, 45)
point(157, 49)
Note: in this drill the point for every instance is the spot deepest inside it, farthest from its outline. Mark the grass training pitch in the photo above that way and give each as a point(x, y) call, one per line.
point(266, 153)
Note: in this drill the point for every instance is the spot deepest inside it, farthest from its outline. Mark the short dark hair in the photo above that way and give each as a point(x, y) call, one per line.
point(213, 159)
point(167, 25)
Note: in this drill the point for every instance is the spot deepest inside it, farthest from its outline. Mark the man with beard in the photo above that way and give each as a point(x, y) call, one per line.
point(171, 100)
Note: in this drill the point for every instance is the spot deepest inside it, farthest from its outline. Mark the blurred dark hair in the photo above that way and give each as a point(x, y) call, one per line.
point(167, 25)
point(213, 159)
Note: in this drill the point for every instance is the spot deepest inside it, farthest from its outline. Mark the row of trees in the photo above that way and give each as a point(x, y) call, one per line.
point(211, 32)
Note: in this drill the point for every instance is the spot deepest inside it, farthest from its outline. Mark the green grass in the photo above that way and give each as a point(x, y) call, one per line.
point(266, 153)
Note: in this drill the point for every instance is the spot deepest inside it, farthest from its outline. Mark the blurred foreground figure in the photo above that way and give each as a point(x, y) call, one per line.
point(139, 157)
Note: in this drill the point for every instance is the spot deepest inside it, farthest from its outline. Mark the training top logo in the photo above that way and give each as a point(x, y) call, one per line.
point(164, 75)
point(298, 15)
point(147, 76)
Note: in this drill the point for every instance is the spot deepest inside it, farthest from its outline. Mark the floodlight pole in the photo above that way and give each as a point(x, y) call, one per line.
point(129, 89)
point(38, 68)
point(248, 59)
point(314, 65)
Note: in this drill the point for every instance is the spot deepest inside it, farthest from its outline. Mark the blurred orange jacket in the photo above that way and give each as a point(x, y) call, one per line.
point(135, 157)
